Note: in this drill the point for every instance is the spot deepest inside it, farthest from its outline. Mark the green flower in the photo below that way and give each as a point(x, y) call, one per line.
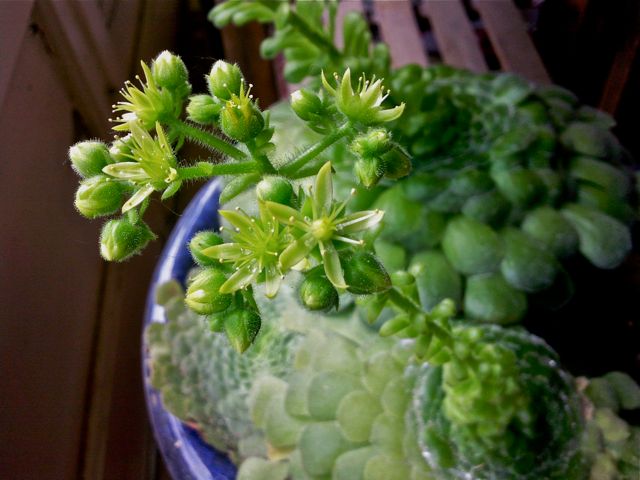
point(365, 104)
point(257, 242)
point(154, 167)
point(148, 106)
point(326, 226)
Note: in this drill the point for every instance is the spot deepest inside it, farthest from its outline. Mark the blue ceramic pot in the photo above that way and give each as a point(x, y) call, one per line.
point(186, 455)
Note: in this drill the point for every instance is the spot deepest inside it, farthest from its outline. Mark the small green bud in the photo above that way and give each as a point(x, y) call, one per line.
point(275, 189)
point(368, 171)
point(203, 295)
point(121, 239)
point(98, 196)
point(88, 158)
point(225, 80)
point(445, 309)
point(241, 120)
point(203, 109)
point(306, 104)
point(364, 274)
point(318, 293)
point(397, 163)
point(375, 143)
point(199, 242)
point(168, 71)
point(241, 327)
point(121, 149)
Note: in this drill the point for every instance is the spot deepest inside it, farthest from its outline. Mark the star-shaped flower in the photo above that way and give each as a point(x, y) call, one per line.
point(153, 168)
point(257, 242)
point(147, 105)
point(326, 225)
point(365, 104)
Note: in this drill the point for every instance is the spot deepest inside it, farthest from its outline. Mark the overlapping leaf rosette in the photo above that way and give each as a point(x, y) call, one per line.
point(511, 180)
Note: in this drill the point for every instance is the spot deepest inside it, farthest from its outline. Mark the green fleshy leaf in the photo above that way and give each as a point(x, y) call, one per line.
point(241, 327)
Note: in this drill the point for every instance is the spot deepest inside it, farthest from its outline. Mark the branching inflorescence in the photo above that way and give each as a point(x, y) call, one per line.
point(300, 224)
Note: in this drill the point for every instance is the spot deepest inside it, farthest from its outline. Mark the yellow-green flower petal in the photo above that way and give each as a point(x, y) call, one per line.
point(225, 251)
point(297, 251)
point(323, 195)
point(137, 198)
point(284, 213)
point(332, 266)
point(240, 279)
point(131, 171)
point(358, 221)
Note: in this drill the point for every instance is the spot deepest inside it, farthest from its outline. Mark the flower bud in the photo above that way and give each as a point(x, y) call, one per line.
point(318, 293)
point(98, 196)
point(120, 149)
point(275, 189)
point(241, 327)
point(364, 274)
point(374, 143)
point(199, 242)
point(121, 239)
point(397, 163)
point(88, 158)
point(225, 79)
point(203, 295)
point(203, 109)
point(368, 171)
point(168, 71)
point(306, 104)
point(241, 120)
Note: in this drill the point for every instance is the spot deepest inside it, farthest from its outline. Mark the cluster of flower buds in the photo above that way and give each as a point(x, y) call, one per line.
point(229, 104)
point(294, 231)
point(378, 156)
point(160, 98)
point(233, 313)
point(101, 195)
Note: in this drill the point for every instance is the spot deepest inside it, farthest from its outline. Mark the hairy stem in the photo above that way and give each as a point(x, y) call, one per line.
point(207, 170)
point(208, 139)
point(312, 34)
point(315, 150)
point(261, 159)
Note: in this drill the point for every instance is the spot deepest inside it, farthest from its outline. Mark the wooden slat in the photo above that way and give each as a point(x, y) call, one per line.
point(118, 439)
point(14, 24)
point(619, 75)
point(510, 39)
point(80, 68)
point(454, 34)
point(92, 20)
point(48, 275)
point(399, 29)
point(345, 7)
point(124, 27)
